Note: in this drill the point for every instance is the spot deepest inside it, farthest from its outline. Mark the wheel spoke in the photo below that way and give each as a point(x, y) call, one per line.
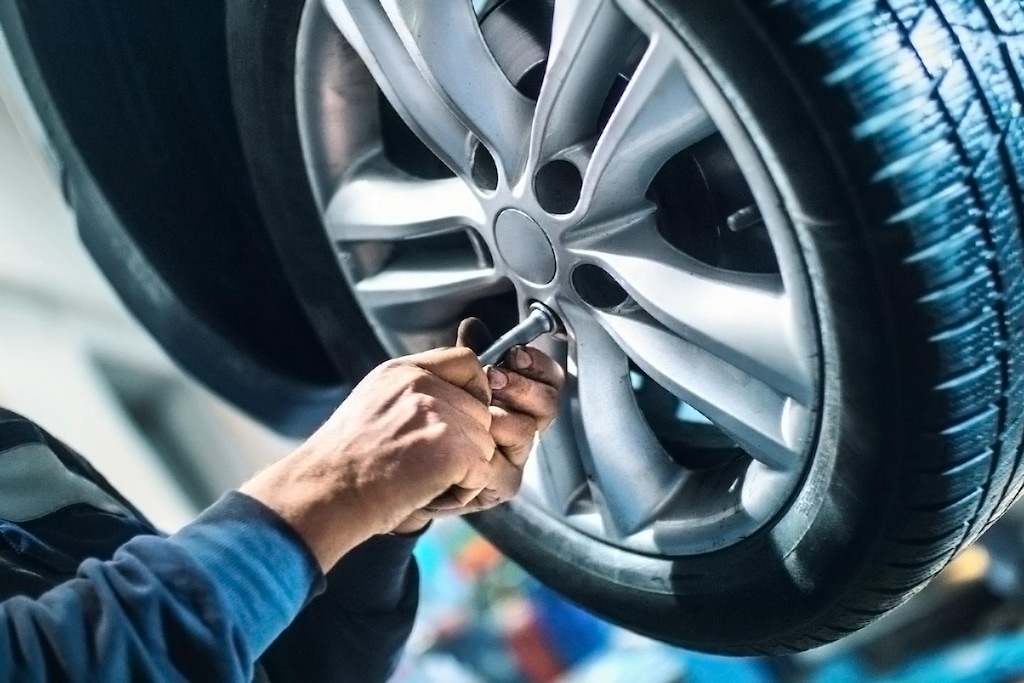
point(765, 423)
point(425, 291)
point(383, 204)
point(431, 61)
point(553, 475)
point(630, 470)
point(368, 29)
point(745, 320)
point(657, 116)
point(444, 40)
point(590, 39)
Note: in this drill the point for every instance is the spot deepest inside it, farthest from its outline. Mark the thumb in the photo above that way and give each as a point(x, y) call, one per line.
point(474, 335)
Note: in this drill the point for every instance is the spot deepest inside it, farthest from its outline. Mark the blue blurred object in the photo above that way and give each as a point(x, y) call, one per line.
point(572, 633)
point(636, 659)
point(701, 668)
point(481, 651)
point(997, 658)
point(579, 638)
point(441, 588)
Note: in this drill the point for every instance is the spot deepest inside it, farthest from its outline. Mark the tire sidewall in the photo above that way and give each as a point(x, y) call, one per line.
point(261, 42)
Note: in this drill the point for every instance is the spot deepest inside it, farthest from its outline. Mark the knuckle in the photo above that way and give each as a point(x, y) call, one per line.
point(499, 420)
point(393, 365)
point(436, 432)
point(489, 499)
point(424, 404)
point(557, 376)
point(547, 394)
point(520, 423)
point(421, 409)
point(444, 429)
point(533, 395)
point(421, 383)
point(549, 372)
point(484, 416)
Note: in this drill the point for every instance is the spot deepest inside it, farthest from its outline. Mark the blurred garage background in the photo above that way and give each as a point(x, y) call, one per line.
point(72, 359)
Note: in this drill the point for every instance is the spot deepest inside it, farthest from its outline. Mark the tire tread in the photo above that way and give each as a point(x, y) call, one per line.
point(956, 170)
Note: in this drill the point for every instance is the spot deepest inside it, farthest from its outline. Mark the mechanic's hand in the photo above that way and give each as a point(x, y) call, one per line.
point(524, 399)
point(415, 431)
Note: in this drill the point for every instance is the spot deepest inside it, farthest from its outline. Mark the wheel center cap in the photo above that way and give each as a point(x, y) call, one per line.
point(524, 247)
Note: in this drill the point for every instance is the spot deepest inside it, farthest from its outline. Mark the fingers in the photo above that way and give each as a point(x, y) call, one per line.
point(505, 482)
point(505, 479)
point(442, 432)
point(444, 394)
point(474, 335)
point(530, 397)
point(500, 413)
point(513, 433)
point(453, 500)
point(467, 440)
point(478, 476)
point(481, 449)
point(506, 472)
point(457, 366)
point(536, 365)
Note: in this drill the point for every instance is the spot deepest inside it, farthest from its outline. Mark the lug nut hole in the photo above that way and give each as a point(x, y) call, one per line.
point(485, 171)
point(596, 287)
point(557, 186)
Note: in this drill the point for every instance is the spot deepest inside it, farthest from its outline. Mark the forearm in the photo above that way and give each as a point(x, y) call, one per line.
point(202, 604)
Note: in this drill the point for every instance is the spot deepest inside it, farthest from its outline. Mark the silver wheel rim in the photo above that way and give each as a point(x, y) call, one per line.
point(544, 208)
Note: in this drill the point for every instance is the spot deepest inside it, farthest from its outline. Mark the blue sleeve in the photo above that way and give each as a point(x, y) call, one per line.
point(356, 629)
point(202, 604)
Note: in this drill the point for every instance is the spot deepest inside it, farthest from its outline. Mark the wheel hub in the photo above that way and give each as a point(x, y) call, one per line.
point(524, 247)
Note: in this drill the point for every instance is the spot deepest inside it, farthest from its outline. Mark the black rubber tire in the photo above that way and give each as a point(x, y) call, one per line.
point(135, 103)
point(892, 131)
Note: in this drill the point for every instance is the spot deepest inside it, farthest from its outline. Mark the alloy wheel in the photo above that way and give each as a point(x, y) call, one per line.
point(578, 154)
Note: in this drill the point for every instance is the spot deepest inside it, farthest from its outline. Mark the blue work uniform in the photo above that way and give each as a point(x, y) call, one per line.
point(90, 590)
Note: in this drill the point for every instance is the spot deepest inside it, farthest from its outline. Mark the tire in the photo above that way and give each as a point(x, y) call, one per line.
point(141, 131)
point(889, 134)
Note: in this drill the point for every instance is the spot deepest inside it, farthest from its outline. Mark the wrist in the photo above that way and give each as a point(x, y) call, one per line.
point(327, 520)
point(414, 525)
